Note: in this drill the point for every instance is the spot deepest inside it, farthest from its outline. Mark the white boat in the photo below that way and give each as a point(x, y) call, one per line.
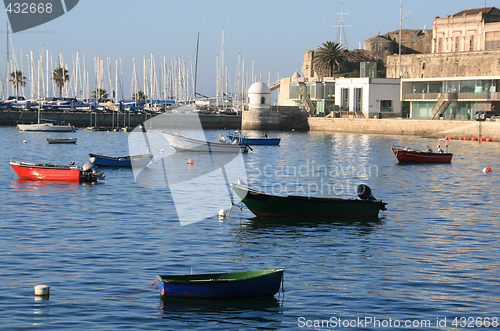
point(45, 126)
point(182, 144)
point(48, 127)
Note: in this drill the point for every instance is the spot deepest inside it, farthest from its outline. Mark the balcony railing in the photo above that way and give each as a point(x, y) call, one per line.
point(467, 96)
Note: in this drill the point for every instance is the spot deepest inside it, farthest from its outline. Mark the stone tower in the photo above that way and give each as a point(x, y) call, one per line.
point(259, 115)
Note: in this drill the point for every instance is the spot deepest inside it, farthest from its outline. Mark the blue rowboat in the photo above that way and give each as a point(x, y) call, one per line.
point(124, 161)
point(243, 139)
point(222, 285)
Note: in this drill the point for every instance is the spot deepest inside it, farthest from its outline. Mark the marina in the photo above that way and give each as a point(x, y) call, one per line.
point(238, 176)
point(420, 257)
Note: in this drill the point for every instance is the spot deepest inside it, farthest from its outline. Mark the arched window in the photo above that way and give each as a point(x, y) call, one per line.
point(262, 100)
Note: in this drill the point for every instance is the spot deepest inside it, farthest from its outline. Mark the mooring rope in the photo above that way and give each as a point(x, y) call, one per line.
point(152, 284)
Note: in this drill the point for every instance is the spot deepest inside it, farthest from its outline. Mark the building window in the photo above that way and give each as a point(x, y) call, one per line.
point(262, 100)
point(386, 106)
point(344, 101)
point(471, 43)
point(457, 44)
point(492, 40)
point(358, 99)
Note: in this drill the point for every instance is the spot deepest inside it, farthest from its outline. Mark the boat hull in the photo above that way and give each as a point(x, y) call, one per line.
point(412, 156)
point(48, 172)
point(266, 205)
point(46, 127)
point(254, 141)
point(186, 144)
point(226, 285)
point(124, 161)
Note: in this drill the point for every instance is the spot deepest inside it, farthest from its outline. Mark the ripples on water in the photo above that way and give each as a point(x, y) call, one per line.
point(434, 252)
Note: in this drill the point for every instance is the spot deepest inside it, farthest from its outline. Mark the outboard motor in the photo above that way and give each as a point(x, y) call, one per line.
point(90, 168)
point(365, 192)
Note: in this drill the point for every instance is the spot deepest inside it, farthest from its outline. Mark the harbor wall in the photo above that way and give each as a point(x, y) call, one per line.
point(422, 128)
point(85, 119)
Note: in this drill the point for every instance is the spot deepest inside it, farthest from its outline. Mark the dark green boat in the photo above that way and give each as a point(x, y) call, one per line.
point(267, 205)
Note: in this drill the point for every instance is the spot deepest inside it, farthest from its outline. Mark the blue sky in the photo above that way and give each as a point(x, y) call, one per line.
point(274, 33)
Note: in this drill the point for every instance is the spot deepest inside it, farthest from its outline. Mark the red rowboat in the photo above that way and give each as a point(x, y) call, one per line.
point(53, 172)
point(405, 154)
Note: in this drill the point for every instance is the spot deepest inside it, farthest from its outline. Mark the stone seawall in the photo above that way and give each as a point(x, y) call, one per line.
point(423, 128)
point(85, 119)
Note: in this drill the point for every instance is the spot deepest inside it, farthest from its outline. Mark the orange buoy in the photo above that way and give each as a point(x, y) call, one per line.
point(481, 139)
point(473, 138)
point(190, 161)
point(460, 138)
point(487, 169)
point(488, 139)
point(465, 138)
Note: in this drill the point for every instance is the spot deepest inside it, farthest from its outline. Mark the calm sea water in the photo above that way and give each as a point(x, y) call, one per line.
point(434, 254)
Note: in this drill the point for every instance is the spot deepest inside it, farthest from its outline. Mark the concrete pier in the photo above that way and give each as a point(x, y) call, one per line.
point(422, 128)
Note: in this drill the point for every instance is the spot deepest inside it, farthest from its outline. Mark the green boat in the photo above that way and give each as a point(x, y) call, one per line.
point(266, 205)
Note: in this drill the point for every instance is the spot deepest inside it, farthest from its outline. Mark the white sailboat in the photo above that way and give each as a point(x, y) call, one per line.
point(45, 126)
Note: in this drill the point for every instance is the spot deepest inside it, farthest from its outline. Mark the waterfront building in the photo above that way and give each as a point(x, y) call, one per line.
point(315, 96)
point(367, 97)
point(452, 98)
point(466, 31)
point(461, 75)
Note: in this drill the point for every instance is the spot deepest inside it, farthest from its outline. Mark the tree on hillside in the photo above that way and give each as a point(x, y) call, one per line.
point(99, 93)
point(17, 78)
point(330, 56)
point(60, 76)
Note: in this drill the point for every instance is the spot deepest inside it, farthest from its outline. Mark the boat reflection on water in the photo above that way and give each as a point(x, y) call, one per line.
point(247, 311)
point(46, 188)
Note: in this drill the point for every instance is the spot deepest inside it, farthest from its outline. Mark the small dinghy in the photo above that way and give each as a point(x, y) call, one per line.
point(222, 285)
point(61, 140)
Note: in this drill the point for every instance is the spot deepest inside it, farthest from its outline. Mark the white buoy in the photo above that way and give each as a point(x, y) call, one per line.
point(42, 290)
point(162, 150)
point(25, 141)
point(222, 213)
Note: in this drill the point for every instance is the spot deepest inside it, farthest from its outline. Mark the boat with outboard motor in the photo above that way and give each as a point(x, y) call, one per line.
point(269, 205)
point(56, 172)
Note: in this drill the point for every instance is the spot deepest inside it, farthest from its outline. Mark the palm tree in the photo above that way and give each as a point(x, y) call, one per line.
point(139, 96)
point(331, 56)
point(60, 76)
point(99, 93)
point(17, 79)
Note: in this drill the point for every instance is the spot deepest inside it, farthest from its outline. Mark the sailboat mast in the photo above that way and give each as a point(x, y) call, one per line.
point(196, 64)
point(7, 69)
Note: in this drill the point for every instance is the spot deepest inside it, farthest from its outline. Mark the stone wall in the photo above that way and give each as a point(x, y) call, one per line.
point(460, 64)
point(108, 120)
point(423, 128)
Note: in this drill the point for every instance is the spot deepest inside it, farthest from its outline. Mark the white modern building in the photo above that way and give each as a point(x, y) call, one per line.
point(369, 97)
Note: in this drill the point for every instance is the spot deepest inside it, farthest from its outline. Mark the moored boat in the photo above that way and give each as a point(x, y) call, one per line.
point(222, 285)
point(55, 172)
point(122, 161)
point(268, 205)
point(46, 127)
point(61, 140)
point(243, 139)
point(183, 144)
point(410, 155)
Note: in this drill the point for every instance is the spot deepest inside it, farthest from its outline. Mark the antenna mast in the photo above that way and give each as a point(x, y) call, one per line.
point(341, 25)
